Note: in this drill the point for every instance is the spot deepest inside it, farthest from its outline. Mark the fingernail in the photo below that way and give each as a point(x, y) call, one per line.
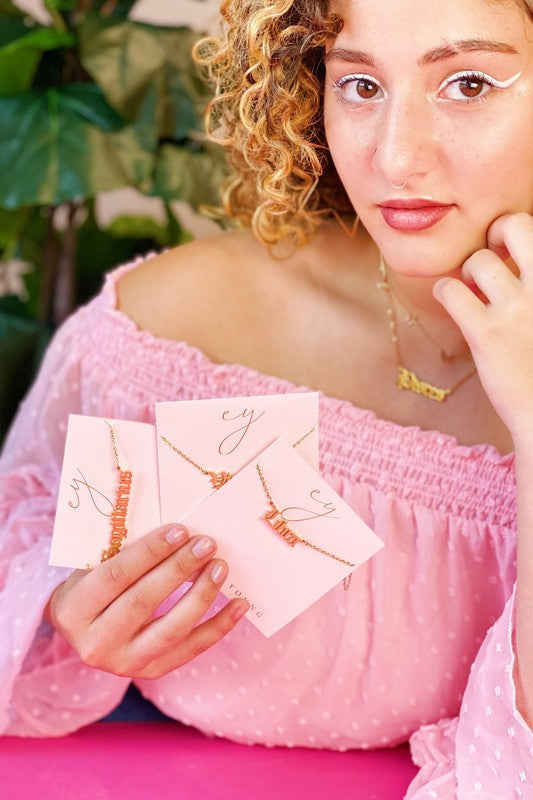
point(219, 572)
point(203, 547)
point(178, 534)
point(238, 611)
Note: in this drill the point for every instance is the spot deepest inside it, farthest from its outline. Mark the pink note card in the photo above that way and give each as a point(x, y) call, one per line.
point(220, 436)
point(90, 485)
point(279, 575)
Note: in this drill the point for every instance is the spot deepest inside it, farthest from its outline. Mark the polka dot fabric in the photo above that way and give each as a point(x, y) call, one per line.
point(420, 646)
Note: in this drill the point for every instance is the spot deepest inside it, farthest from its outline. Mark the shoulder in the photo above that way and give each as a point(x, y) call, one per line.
point(188, 268)
point(200, 291)
point(229, 297)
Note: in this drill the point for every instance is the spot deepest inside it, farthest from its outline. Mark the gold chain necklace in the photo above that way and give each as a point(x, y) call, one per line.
point(118, 518)
point(274, 518)
point(217, 479)
point(407, 379)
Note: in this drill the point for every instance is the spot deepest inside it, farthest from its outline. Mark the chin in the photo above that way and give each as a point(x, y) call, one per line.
point(432, 253)
point(426, 256)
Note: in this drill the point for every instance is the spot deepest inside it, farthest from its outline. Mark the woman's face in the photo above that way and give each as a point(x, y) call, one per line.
point(439, 96)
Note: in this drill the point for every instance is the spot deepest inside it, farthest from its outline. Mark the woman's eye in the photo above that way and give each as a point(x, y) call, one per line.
point(471, 87)
point(467, 87)
point(358, 88)
point(366, 89)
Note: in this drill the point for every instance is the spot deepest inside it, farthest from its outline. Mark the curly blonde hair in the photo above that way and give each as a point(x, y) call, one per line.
point(268, 75)
point(267, 113)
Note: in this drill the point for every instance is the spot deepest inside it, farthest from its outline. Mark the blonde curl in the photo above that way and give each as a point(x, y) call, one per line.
point(267, 72)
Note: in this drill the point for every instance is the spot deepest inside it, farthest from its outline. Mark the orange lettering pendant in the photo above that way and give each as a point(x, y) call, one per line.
point(278, 524)
point(218, 479)
point(118, 518)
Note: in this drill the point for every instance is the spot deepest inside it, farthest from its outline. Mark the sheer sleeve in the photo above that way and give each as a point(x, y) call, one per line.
point(487, 751)
point(45, 690)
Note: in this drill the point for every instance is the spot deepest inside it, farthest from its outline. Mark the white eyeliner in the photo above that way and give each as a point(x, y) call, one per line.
point(508, 82)
point(478, 75)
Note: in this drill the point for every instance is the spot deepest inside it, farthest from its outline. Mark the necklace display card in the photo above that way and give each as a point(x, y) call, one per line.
point(281, 581)
point(89, 483)
point(222, 435)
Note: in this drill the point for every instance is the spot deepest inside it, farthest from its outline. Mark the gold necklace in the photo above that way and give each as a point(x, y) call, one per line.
point(118, 518)
point(217, 479)
point(274, 518)
point(407, 379)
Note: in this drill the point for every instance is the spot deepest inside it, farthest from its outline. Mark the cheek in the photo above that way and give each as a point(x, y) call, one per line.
point(350, 145)
point(497, 166)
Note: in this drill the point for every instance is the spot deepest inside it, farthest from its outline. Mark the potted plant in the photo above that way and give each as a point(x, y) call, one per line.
point(91, 102)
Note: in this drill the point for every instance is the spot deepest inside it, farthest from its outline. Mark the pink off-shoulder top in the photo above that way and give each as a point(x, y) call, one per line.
point(420, 647)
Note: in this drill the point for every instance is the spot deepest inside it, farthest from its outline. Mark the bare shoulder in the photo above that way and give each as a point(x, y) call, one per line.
point(198, 292)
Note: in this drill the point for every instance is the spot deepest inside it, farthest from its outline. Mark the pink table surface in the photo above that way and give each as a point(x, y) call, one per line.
point(140, 760)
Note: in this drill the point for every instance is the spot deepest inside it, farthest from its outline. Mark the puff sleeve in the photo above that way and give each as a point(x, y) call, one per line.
point(487, 751)
point(45, 690)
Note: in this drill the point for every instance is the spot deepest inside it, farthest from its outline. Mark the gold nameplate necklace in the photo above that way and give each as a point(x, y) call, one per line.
point(118, 518)
point(407, 379)
point(217, 479)
point(274, 518)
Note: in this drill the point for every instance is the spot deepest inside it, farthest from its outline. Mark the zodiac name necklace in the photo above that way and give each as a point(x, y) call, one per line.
point(407, 379)
point(217, 479)
point(274, 518)
point(118, 518)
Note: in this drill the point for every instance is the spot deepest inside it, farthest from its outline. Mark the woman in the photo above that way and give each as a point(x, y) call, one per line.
point(418, 330)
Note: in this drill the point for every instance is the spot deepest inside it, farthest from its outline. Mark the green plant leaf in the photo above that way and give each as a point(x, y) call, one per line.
point(21, 345)
point(119, 9)
point(20, 56)
point(12, 28)
point(181, 174)
point(139, 227)
point(35, 38)
point(9, 9)
point(87, 100)
point(64, 144)
point(60, 5)
point(11, 225)
point(128, 59)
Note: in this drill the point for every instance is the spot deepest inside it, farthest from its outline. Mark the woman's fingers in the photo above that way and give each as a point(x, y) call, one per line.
point(461, 304)
point(201, 638)
point(109, 580)
point(108, 614)
point(168, 631)
point(489, 273)
point(136, 605)
point(512, 234)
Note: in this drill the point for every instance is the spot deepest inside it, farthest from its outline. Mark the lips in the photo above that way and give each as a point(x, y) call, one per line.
point(413, 214)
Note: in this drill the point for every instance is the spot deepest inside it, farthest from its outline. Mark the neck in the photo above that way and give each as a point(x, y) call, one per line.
point(415, 295)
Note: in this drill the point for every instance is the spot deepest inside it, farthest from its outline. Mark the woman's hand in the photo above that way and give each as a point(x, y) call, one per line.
point(107, 614)
point(500, 332)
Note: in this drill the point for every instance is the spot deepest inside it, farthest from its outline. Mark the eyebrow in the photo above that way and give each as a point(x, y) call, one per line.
point(442, 53)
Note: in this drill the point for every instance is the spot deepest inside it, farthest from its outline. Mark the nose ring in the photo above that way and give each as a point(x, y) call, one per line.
point(399, 185)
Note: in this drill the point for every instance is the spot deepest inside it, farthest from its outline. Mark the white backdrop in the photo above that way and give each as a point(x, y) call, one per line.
point(199, 14)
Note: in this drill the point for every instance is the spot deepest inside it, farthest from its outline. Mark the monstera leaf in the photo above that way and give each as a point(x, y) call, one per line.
point(181, 173)
point(127, 59)
point(67, 143)
point(21, 49)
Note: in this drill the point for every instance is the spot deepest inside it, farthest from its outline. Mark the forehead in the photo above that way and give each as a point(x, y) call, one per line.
point(430, 22)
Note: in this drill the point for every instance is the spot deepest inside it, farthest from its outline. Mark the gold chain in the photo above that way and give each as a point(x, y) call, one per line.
point(276, 521)
point(183, 455)
point(218, 479)
point(410, 318)
point(406, 378)
point(309, 432)
point(113, 443)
